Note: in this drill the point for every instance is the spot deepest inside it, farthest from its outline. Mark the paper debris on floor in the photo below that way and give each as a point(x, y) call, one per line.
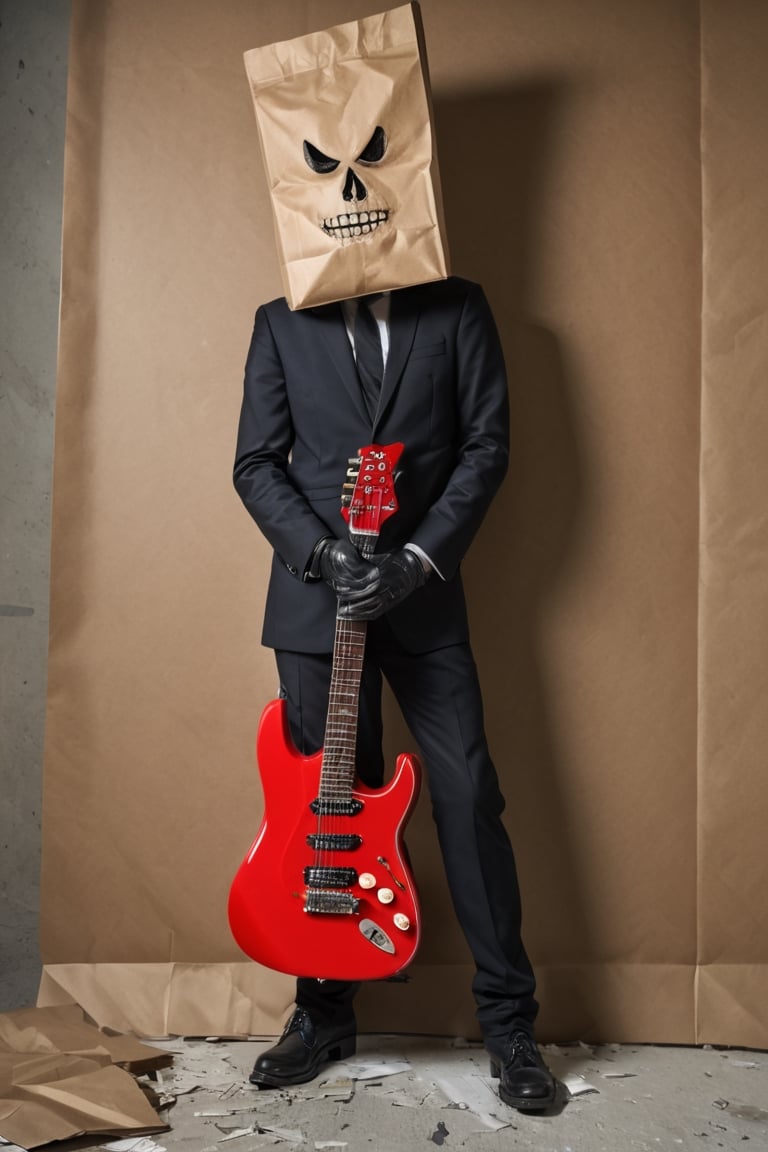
point(577, 1085)
point(62, 1077)
point(236, 1133)
point(200, 1064)
point(474, 1092)
point(292, 1135)
point(134, 1144)
point(373, 1070)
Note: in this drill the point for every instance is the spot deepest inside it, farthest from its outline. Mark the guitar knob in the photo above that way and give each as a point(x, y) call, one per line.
point(385, 895)
point(367, 880)
point(401, 921)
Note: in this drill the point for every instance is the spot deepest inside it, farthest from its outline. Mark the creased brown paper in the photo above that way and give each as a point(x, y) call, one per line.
point(59, 1078)
point(348, 145)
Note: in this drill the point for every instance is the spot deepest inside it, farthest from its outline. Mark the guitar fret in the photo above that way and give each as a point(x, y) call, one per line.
point(337, 775)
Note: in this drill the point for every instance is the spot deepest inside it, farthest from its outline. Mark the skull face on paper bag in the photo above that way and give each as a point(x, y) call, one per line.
point(347, 141)
point(355, 221)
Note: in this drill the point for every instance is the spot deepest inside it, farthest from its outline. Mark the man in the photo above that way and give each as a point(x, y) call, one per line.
point(311, 400)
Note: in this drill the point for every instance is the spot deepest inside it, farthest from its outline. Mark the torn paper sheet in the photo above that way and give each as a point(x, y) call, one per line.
point(134, 1144)
point(474, 1093)
point(236, 1133)
point(292, 1135)
point(373, 1070)
point(289, 1135)
point(220, 1112)
point(341, 1090)
point(577, 1085)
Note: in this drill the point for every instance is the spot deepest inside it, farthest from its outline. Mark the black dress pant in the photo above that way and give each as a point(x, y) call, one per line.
point(439, 696)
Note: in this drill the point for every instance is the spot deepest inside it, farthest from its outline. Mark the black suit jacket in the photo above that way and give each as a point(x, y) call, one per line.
point(444, 396)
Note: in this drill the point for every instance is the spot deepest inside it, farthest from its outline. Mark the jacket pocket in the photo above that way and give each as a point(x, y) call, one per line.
point(418, 350)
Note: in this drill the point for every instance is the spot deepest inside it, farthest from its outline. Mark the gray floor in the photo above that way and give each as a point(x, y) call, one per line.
point(407, 1092)
point(621, 1097)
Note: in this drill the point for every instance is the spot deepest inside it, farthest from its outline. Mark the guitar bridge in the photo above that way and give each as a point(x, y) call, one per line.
point(331, 903)
point(316, 877)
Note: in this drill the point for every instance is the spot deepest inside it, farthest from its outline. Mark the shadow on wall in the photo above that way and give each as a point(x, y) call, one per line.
point(494, 150)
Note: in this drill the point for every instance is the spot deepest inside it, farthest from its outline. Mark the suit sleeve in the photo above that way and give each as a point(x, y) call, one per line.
point(264, 441)
point(482, 447)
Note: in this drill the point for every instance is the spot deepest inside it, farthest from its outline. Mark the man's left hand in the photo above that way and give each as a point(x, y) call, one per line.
point(400, 573)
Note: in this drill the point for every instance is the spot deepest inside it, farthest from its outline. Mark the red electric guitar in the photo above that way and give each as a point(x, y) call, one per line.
point(326, 890)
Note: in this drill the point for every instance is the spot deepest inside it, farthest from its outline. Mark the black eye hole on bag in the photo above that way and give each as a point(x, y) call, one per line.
point(375, 148)
point(371, 154)
point(317, 160)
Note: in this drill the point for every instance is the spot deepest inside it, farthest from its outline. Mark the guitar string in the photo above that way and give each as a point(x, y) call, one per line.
point(339, 754)
point(339, 750)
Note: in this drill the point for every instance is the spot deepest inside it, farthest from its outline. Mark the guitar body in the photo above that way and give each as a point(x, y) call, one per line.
point(285, 917)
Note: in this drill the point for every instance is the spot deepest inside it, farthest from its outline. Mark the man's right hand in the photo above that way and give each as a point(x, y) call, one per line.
point(344, 569)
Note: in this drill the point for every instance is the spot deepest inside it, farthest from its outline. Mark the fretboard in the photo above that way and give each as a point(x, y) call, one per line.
point(337, 774)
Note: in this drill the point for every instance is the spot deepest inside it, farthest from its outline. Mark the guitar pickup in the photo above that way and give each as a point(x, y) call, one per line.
point(315, 877)
point(334, 841)
point(327, 806)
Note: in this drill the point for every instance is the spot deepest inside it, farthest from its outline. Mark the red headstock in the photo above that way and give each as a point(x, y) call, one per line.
point(368, 497)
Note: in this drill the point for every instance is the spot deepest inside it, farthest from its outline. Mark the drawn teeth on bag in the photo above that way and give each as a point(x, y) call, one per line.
point(350, 225)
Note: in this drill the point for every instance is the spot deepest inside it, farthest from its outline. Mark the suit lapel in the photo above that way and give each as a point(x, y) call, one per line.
point(404, 309)
point(403, 317)
point(334, 333)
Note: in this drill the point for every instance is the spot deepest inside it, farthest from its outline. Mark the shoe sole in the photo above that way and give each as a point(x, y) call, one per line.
point(523, 1103)
point(338, 1050)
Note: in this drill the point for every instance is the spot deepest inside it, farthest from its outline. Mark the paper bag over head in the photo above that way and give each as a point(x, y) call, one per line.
point(345, 124)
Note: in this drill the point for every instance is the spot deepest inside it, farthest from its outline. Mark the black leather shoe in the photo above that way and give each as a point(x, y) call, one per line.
point(525, 1082)
point(302, 1048)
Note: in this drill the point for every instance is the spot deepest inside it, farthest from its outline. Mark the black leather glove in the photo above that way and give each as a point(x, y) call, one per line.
point(340, 564)
point(400, 573)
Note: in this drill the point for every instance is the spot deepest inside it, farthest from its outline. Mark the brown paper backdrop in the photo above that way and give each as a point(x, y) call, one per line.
point(622, 642)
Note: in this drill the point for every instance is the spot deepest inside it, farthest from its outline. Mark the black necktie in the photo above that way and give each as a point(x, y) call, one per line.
point(369, 356)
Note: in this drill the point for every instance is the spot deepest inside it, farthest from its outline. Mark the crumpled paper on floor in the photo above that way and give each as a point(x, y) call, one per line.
point(62, 1077)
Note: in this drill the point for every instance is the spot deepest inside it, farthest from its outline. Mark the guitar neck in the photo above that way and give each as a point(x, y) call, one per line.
point(337, 774)
point(368, 499)
point(338, 768)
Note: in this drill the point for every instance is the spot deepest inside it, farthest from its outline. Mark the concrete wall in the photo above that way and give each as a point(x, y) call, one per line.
point(33, 63)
